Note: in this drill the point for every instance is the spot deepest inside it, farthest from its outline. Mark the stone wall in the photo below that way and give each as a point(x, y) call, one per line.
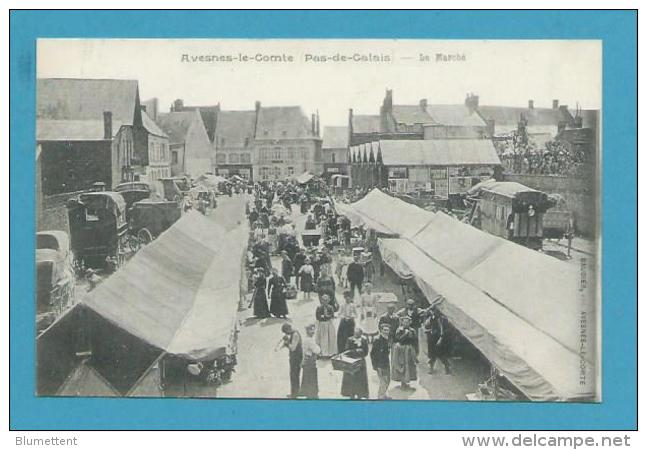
point(579, 193)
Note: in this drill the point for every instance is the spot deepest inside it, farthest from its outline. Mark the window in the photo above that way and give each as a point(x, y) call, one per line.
point(332, 157)
point(276, 154)
point(290, 171)
point(174, 157)
point(246, 142)
point(291, 154)
point(265, 173)
point(398, 172)
point(234, 158)
point(245, 158)
point(221, 158)
point(304, 152)
point(277, 172)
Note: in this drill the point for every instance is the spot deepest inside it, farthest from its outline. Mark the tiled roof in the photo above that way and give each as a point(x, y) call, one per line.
point(411, 114)
point(176, 124)
point(438, 152)
point(151, 126)
point(366, 124)
point(509, 115)
point(209, 116)
point(71, 130)
point(86, 99)
point(335, 137)
point(455, 115)
point(281, 122)
point(234, 127)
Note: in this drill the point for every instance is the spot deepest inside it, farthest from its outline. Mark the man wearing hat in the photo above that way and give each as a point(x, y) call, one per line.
point(292, 341)
point(380, 360)
point(436, 330)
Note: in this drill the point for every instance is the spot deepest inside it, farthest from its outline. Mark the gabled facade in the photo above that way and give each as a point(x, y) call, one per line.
point(191, 152)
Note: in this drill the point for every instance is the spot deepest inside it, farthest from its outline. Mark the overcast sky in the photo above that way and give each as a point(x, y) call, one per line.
point(500, 72)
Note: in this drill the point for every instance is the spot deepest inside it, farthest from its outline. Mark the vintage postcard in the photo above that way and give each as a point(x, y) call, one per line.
point(319, 219)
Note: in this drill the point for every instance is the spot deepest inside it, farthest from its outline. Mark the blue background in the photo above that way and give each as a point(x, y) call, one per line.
point(618, 410)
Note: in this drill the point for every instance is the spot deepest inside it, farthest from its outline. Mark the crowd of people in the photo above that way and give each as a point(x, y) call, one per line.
point(348, 326)
point(557, 158)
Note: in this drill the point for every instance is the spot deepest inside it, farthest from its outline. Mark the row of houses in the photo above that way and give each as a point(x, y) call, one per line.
point(98, 130)
point(263, 143)
point(444, 149)
point(91, 130)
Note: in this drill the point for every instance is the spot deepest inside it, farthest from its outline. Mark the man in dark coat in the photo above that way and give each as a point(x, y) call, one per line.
point(380, 360)
point(355, 275)
point(292, 341)
point(438, 346)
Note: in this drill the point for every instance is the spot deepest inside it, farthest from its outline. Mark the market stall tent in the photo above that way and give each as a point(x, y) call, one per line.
point(178, 296)
point(386, 214)
point(534, 361)
point(522, 309)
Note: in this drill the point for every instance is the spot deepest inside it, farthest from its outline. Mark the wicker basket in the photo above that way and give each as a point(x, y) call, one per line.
point(345, 363)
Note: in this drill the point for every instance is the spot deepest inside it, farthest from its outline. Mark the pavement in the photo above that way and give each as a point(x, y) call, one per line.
point(262, 372)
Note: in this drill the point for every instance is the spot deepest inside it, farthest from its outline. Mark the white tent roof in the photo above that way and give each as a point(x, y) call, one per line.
point(386, 214)
point(533, 360)
point(181, 292)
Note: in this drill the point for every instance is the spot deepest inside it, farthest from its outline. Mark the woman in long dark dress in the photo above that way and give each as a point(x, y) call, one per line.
point(347, 316)
point(277, 286)
point(356, 385)
point(259, 298)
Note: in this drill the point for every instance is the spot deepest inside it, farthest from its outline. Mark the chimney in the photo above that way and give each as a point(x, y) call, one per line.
point(489, 127)
point(555, 104)
point(257, 106)
point(178, 105)
point(531, 104)
point(318, 129)
point(107, 125)
point(388, 101)
point(472, 102)
point(578, 121)
point(563, 108)
point(423, 105)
